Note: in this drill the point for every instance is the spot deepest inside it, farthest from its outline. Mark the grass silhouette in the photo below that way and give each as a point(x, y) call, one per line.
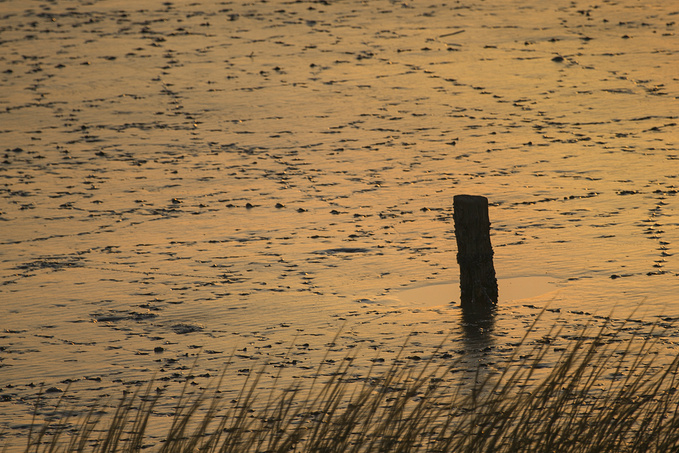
point(603, 393)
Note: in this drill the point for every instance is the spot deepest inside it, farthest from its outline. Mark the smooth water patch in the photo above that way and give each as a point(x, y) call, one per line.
point(509, 289)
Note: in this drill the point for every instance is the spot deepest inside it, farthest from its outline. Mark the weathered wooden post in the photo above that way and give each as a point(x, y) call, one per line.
point(478, 285)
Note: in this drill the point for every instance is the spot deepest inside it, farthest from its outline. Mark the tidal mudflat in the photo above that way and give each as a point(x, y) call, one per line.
point(238, 181)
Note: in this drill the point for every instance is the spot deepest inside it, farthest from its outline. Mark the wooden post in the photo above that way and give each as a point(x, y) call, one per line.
point(478, 285)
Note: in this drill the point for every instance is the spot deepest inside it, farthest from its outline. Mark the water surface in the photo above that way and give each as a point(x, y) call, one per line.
point(242, 176)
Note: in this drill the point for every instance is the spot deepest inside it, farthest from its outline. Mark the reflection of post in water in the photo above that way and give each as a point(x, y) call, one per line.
point(478, 328)
point(477, 331)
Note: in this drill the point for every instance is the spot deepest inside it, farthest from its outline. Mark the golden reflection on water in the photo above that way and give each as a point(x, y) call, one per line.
point(248, 173)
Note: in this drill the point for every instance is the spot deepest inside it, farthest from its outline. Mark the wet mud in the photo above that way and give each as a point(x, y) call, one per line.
point(238, 182)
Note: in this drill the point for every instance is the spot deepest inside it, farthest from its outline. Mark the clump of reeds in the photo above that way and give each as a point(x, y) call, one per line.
point(603, 393)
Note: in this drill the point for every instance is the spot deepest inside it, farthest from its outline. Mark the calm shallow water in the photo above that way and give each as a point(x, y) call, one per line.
point(239, 175)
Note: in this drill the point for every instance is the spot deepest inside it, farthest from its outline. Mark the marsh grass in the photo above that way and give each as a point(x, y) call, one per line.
point(603, 393)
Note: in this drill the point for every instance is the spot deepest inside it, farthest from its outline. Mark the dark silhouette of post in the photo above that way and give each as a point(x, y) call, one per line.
point(478, 285)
